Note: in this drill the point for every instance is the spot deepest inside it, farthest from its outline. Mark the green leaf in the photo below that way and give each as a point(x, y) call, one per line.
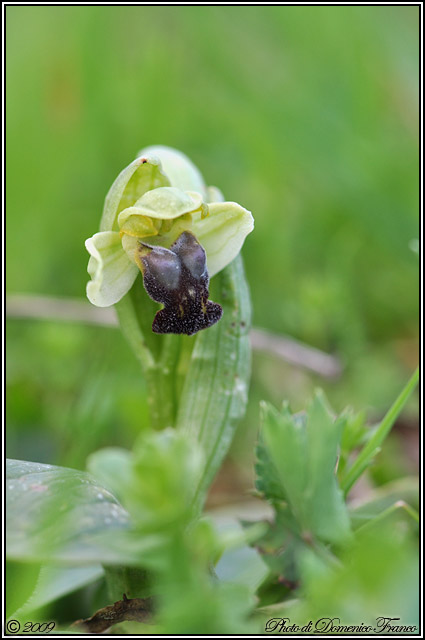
point(286, 442)
point(55, 582)
point(327, 513)
point(242, 566)
point(154, 481)
point(267, 480)
point(55, 513)
point(378, 574)
point(355, 431)
point(279, 547)
point(112, 467)
point(215, 391)
point(21, 580)
point(303, 449)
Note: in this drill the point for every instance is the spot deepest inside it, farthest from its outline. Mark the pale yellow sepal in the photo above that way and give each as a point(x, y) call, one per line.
point(223, 233)
point(112, 272)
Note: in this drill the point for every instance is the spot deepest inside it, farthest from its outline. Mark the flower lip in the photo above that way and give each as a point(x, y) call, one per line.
point(178, 278)
point(163, 264)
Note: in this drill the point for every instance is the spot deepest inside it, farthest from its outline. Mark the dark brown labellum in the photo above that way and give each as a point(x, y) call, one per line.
point(178, 278)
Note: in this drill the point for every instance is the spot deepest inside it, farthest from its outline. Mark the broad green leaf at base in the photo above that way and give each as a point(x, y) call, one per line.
point(215, 391)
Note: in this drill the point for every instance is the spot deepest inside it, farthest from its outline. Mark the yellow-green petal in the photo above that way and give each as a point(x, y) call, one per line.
point(222, 233)
point(213, 194)
point(143, 174)
point(138, 226)
point(131, 244)
point(164, 203)
point(111, 271)
point(171, 229)
point(181, 171)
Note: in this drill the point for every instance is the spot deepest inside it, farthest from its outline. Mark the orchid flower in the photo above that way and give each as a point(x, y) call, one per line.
point(154, 201)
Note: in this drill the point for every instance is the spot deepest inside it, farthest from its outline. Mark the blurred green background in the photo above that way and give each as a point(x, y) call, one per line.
point(307, 116)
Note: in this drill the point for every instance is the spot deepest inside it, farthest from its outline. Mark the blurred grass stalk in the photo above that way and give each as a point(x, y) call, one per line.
point(81, 312)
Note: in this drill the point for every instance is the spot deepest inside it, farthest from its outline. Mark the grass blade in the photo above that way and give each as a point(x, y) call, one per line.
point(372, 447)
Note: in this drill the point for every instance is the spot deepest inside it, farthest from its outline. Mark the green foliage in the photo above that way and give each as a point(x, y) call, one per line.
point(155, 481)
point(378, 577)
point(267, 480)
point(297, 460)
point(58, 514)
point(354, 434)
point(317, 546)
point(205, 608)
point(303, 449)
point(21, 579)
point(53, 583)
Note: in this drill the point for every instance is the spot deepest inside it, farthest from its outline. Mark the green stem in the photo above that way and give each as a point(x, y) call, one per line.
point(372, 447)
point(325, 554)
point(157, 370)
point(157, 354)
point(132, 581)
point(170, 354)
point(160, 397)
point(182, 367)
point(132, 331)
